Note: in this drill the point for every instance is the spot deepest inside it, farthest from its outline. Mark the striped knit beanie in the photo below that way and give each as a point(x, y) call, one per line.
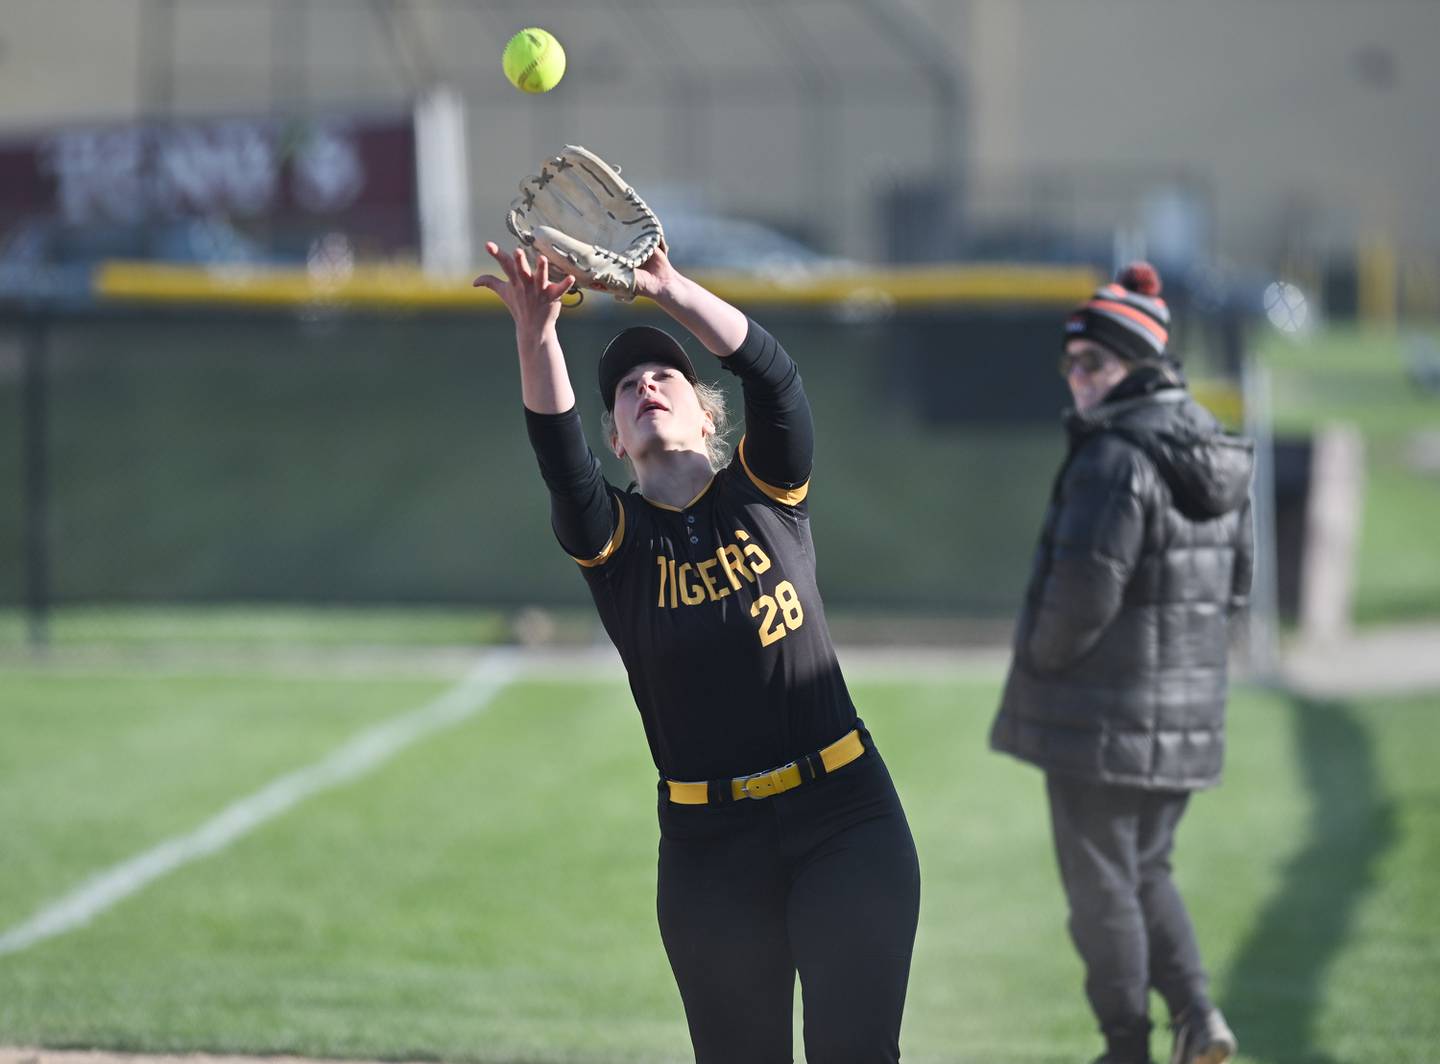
point(1127, 316)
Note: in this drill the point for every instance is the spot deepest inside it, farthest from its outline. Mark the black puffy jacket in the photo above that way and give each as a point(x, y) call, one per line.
point(1119, 669)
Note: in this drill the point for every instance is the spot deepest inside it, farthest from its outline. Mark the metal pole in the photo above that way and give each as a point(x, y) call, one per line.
point(914, 37)
point(156, 105)
point(288, 24)
point(36, 483)
point(822, 144)
point(1264, 619)
point(157, 58)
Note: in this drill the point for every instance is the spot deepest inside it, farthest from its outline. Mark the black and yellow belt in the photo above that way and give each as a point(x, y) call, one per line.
point(764, 784)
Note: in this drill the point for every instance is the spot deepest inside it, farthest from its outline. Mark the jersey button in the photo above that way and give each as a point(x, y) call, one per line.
point(690, 518)
point(694, 539)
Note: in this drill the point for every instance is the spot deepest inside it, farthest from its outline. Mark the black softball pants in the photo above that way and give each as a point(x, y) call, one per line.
point(823, 881)
point(1127, 918)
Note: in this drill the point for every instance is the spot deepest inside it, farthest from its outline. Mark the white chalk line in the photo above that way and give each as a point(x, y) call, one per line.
point(360, 755)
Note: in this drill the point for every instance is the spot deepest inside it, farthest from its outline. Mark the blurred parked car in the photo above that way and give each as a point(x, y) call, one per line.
point(701, 241)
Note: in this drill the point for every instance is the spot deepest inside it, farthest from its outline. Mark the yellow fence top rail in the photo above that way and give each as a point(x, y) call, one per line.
point(407, 288)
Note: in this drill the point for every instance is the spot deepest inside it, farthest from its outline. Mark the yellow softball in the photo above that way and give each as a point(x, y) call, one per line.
point(534, 60)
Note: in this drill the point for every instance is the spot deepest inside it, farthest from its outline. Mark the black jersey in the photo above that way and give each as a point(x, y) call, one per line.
point(713, 606)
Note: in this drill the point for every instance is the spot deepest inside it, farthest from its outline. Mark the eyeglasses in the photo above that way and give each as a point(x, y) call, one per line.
point(1088, 362)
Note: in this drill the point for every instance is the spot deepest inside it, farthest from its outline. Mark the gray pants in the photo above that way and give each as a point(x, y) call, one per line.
point(1126, 917)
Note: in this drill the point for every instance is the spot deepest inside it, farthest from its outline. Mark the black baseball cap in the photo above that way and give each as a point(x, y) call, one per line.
point(637, 344)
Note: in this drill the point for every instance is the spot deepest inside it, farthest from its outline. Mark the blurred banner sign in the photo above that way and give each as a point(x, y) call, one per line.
point(351, 174)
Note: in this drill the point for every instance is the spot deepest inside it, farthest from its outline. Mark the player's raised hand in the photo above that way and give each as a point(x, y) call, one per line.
point(527, 291)
point(655, 275)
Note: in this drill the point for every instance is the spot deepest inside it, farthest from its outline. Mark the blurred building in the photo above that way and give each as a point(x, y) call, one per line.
point(1285, 135)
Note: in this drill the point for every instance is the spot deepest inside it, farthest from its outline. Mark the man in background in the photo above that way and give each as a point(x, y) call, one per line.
point(1118, 683)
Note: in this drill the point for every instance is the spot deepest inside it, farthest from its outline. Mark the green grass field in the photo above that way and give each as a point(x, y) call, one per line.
point(488, 894)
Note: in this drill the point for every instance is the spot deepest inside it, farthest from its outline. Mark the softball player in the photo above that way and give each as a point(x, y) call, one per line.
point(783, 845)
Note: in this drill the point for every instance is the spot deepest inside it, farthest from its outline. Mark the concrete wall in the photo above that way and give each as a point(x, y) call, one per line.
point(1312, 122)
point(1316, 121)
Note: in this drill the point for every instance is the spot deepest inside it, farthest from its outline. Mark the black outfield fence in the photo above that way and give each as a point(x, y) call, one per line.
point(324, 454)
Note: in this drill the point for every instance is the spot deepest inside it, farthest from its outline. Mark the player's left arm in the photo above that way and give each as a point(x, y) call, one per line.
point(779, 443)
point(714, 322)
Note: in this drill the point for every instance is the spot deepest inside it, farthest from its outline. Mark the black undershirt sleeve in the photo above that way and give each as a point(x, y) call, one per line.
point(779, 430)
point(581, 508)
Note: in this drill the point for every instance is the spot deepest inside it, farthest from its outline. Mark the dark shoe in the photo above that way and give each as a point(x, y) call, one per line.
point(1126, 1042)
point(1203, 1039)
